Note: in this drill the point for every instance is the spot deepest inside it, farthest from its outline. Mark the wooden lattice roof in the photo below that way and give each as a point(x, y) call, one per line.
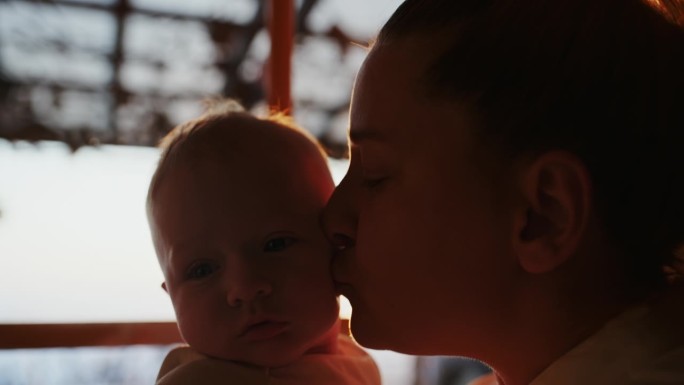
point(125, 73)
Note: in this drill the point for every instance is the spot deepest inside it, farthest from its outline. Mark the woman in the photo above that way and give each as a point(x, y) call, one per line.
point(515, 189)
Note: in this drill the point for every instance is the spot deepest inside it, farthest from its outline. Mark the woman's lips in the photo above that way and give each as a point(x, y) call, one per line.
point(263, 330)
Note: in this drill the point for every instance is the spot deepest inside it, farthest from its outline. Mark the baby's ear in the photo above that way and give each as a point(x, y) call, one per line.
point(163, 286)
point(556, 191)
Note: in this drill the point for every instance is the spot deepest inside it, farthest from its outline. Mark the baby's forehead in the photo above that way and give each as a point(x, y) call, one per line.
point(239, 150)
point(247, 135)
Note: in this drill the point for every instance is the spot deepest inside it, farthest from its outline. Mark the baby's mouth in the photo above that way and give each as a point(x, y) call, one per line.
point(263, 330)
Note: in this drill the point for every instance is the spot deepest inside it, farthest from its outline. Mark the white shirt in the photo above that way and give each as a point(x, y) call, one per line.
point(642, 346)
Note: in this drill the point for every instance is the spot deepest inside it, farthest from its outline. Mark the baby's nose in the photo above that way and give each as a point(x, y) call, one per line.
point(247, 290)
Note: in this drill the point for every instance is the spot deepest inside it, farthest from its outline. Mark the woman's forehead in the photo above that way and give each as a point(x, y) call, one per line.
point(390, 98)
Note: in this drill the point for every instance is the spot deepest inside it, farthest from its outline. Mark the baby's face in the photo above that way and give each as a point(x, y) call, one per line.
point(245, 262)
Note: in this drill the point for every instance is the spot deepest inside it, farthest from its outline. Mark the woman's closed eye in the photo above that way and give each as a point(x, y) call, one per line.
point(278, 244)
point(373, 166)
point(201, 270)
point(371, 183)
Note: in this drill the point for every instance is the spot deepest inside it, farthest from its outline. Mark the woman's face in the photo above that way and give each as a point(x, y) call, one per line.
point(428, 264)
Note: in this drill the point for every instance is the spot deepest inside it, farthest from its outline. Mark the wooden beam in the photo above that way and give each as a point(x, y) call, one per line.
point(278, 72)
point(35, 336)
point(27, 336)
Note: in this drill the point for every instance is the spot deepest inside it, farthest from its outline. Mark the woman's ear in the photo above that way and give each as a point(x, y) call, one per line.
point(163, 286)
point(556, 192)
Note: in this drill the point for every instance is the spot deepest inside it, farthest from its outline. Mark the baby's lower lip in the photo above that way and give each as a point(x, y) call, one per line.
point(264, 330)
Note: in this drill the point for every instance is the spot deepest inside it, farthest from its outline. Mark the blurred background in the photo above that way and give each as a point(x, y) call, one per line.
point(89, 72)
point(87, 89)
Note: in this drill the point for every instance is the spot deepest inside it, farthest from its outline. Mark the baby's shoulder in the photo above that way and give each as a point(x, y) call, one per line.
point(181, 355)
point(185, 366)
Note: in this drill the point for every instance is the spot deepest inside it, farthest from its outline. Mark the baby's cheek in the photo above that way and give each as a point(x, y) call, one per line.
point(186, 322)
point(192, 316)
point(320, 280)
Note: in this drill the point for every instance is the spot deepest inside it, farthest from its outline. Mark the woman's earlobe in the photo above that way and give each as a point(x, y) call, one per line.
point(556, 190)
point(163, 286)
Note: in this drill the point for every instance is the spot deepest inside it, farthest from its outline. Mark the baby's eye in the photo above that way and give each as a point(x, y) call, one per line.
point(201, 270)
point(278, 244)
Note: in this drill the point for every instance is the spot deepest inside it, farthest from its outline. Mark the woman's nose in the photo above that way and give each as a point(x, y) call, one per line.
point(339, 218)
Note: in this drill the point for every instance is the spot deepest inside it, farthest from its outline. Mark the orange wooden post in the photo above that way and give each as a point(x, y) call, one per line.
point(280, 16)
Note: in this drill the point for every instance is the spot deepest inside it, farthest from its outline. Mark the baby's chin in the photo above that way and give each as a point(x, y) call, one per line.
point(280, 350)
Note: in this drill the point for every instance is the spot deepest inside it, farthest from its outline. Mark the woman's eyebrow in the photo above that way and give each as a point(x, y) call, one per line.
point(365, 134)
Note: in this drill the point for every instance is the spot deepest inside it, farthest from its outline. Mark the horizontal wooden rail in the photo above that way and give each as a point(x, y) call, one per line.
point(27, 336)
point(32, 336)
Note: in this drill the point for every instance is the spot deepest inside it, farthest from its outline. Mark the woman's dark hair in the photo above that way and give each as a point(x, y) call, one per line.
point(603, 79)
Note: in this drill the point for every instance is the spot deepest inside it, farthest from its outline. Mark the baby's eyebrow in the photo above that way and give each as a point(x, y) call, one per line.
point(177, 251)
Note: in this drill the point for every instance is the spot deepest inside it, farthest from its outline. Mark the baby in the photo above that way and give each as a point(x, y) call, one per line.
point(233, 209)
